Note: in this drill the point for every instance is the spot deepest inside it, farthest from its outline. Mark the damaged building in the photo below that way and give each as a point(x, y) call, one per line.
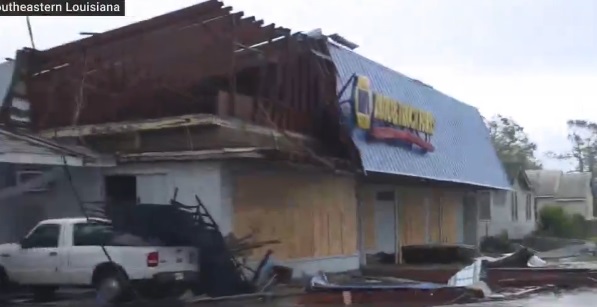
point(281, 135)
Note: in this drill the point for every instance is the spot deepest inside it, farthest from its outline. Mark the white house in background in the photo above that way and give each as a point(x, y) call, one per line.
point(571, 191)
point(508, 211)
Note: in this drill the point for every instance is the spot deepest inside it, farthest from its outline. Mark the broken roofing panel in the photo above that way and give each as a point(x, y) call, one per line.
point(463, 151)
point(545, 182)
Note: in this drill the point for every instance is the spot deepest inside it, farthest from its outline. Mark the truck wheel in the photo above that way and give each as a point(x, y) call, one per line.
point(44, 294)
point(112, 287)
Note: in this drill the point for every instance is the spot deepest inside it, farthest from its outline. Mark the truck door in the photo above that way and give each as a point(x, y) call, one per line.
point(37, 261)
point(86, 251)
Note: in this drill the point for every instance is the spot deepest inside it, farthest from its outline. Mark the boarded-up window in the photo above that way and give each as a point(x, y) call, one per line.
point(484, 202)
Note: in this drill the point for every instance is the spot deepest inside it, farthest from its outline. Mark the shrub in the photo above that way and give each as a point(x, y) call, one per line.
point(554, 221)
point(496, 244)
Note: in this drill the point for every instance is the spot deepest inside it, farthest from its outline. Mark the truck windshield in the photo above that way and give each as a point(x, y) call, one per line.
point(92, 234)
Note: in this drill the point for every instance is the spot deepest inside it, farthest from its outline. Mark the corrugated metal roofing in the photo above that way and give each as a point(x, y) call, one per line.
point(464, 152)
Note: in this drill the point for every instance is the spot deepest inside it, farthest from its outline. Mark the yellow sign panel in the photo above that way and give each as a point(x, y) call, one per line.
point(388, 110)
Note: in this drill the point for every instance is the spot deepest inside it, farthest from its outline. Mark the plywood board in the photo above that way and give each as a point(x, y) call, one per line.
point(434, 217)
point(368, 218)
point(412, 216)
point(313, 216)
point(451, 208)
point(443, 216)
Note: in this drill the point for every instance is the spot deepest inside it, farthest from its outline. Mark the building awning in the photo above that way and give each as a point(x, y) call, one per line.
point(23, 148)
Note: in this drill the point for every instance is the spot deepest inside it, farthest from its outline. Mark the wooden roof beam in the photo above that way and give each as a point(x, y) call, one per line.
point(115, 49)
point(136, 28)
point(190, 51)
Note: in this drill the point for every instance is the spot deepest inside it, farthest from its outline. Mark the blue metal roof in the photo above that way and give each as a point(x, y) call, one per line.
point(463, 150)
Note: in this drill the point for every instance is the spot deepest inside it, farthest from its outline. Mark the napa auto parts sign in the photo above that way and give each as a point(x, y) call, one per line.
point(391, 121)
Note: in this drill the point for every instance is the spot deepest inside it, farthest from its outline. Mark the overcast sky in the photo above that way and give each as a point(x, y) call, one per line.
point(535, 61)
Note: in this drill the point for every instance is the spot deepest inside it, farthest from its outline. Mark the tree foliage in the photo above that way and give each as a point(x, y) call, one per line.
point(512, 144)
point(582, 135)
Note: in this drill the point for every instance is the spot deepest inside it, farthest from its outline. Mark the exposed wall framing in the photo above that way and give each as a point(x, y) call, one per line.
point(202, 59)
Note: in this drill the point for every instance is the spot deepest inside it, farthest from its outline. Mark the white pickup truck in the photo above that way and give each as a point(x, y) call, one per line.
point(68, 252)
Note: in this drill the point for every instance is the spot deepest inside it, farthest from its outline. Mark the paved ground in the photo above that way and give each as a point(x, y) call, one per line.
point(585, 298)
point(576, 298)
point(580, 298)
point(568, 251)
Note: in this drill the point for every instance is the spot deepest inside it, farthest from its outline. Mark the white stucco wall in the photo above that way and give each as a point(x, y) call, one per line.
point(501, 214)
point(156, 183)
point(211, 181)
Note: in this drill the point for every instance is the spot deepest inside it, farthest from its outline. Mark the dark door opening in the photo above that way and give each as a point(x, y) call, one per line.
point(121, 193)
point(121, 188)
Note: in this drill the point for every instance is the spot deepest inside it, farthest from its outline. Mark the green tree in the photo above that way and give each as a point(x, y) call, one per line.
point(582, 135)
point(512, 144)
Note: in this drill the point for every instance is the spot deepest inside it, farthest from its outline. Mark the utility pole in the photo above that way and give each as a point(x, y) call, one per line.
point(30, 29)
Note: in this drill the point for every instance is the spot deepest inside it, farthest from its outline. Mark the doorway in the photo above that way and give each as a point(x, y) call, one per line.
point(121, 193)
point(121, 188)
point(385, 222)
point(470, 218)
